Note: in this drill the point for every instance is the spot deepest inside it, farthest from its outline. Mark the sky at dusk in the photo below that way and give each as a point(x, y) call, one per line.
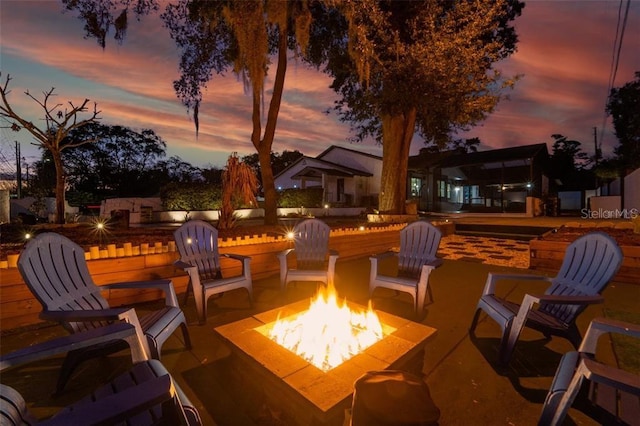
point(565, 57)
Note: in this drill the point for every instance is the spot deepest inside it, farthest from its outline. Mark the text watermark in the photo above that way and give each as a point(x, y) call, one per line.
point(609, 214)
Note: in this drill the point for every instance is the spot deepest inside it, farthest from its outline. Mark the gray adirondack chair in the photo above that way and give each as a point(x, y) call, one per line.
point(314, 260)
point(55, 270)
point(416, 260)
point(145, 395)
point(589, 263)
point(616, 392)
point(197, 243)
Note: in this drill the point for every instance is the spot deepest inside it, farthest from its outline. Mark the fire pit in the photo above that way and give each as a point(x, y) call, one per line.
point(300, 393)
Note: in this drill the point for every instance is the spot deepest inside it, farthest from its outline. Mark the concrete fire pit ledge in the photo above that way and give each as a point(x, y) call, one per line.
point(269, 374)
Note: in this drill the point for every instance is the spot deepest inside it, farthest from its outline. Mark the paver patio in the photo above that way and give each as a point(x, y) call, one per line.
point(461, 370)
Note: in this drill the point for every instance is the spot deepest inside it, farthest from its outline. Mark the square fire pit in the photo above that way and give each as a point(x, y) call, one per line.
point(300, 393)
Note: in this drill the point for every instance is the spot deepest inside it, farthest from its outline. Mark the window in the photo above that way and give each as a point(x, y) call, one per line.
point(416, 184)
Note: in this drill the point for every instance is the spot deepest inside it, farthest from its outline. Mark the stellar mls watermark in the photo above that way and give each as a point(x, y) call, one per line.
point(609, 214)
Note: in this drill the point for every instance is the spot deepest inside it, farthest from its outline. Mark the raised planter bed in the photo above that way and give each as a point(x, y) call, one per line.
point(547, 251)
point(18, 307)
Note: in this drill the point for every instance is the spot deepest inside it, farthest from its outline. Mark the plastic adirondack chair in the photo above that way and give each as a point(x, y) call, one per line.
point(311, 249)
point(197, 243)
point(55, 270)
point(589, 263)
point(416, 259)
point(145, 395)
point(614, 391)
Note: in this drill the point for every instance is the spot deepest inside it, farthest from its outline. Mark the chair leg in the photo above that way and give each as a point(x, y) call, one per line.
point(474, 321)
point(185, 334)
point(69, 365)
point(187, 292)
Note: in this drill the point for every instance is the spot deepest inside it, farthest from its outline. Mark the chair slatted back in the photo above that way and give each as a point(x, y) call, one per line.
point(590, 262)
point(55, 270)
point(311, 241)
point(197, 243)
point(419, 243)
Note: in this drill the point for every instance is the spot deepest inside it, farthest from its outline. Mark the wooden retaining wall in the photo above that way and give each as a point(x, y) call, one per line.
point(19, 308)
point(548, 255)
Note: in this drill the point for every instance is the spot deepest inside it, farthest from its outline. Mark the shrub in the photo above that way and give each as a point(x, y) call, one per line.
point(308, 197)
point(191, 196)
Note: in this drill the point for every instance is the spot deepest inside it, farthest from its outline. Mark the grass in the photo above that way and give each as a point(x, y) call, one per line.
point(627, 348)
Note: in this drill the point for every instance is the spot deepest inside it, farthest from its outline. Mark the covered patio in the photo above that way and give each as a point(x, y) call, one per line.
point(460, 369)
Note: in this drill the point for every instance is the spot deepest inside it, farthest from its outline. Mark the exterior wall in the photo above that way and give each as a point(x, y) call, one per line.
point(22, 205)
point(284, 180)
point(361, 190)
point(632, 190)
point(133, 205)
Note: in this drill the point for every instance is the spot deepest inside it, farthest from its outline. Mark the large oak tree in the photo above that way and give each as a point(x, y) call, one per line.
point(419, 66)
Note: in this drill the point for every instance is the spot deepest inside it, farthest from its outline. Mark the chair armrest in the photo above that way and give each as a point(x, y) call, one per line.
point(435, 263)
point(283, 254)
point(384, 255)
point(530, 299)
point(610, 376)
point(180, 264)
point(120, 406)
point(239, 257)
point(128, 315)
point(165, 285)
point(110, 314)
point(492, 279)
point(600, 326)
point(67, 343)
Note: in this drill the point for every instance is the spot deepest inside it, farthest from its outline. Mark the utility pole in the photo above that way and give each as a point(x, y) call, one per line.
point(18, 172)
point(595, 141)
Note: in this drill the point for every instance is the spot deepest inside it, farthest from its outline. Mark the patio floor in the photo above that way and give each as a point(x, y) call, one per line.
point(465, 383)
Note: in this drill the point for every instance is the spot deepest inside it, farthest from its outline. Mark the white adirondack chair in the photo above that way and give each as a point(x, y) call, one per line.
point(416, 260)
point(55, 270)
point(145, 395)
point(197, 243)
point(614, 391)
point(589, 263)
point(314, 260)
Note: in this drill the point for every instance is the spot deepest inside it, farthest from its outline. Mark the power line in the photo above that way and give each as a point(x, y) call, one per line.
point(615, 60)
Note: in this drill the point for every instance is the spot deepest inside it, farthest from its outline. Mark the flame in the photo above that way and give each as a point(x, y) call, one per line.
point(328, 333)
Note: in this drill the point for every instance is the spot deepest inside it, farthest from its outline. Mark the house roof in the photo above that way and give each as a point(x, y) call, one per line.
point(321, 167)
point(507, 156)
point(334, 147)
point(318, 166)
point(503, 155)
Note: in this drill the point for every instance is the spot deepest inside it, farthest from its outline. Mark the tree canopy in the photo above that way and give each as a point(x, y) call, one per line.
point(419, 66)
point(624, 108)
point(122, 162)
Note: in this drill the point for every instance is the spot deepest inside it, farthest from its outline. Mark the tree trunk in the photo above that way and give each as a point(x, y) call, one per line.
point(264, 146)
point(60, 186)
point(397, 132)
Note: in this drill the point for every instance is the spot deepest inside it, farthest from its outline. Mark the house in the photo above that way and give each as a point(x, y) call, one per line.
point(348, 177)
point(499, 180)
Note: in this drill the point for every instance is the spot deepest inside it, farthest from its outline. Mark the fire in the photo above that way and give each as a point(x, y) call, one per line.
point(329, 333)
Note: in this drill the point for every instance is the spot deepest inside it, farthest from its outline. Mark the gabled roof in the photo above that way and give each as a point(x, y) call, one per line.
point(320, 167)
point(353, 151)
point(328, 167)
